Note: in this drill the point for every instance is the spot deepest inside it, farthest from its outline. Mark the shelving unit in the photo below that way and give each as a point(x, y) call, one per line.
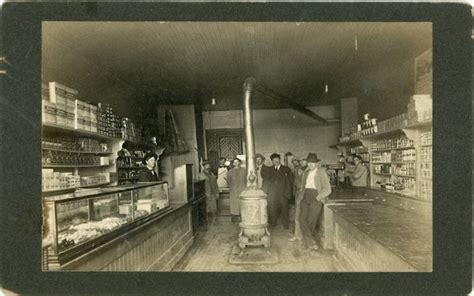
point(74, 166)
point(59, 133)
point(78, 151)
point(415, 185)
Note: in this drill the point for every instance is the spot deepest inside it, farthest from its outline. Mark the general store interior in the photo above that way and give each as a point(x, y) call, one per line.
point(182, 83)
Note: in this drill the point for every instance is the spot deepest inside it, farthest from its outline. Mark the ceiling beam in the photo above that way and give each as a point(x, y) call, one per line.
point(289, 102)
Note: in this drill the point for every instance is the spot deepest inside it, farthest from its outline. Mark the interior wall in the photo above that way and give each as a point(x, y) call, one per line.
point(284, 130)
point(385, 91)
point(186, 125)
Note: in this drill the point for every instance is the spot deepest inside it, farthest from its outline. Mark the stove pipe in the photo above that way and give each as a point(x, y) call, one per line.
point(249, 86)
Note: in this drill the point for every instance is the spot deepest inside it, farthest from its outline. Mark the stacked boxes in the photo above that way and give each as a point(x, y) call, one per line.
point(44, 91)
point(108, 123)
point(52, 180)
point(394, 123)
point(420, 108)
point(69, 111)
point(64, 98)
point(48, 112)
point(84, 116)
point(100, 178)
point(93, 118)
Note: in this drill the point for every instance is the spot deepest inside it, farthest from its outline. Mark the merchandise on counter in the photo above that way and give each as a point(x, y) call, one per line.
point(147, 205)
point(97, 179)
point(80, 233)
point(51, 180)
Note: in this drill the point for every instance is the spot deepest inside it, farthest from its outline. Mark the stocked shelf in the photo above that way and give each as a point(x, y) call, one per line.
point(72, 189)
point(50, 127)
point(60, 191)
point(383, 174)
point(130, 168)
point(391, 149)
point(394, 162)
point(78, 151)
point(407, 176)
point(427, 123)
point(74, 166)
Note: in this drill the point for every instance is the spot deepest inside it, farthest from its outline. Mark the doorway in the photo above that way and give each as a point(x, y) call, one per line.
point(226, 143)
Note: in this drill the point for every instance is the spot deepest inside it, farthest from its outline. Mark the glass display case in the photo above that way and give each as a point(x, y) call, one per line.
point(76, 223)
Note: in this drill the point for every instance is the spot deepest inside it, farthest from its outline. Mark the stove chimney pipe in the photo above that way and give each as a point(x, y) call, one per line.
point(249, 86)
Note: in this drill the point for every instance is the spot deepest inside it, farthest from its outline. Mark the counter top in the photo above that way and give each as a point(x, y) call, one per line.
point(393, 192)
point(407, 235)
point(90, 192)
point(345, 196)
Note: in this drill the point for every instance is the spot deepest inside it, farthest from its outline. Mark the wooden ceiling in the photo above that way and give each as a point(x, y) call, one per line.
point(182, 62)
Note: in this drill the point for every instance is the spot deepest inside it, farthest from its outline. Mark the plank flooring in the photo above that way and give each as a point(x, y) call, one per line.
point(212, 249)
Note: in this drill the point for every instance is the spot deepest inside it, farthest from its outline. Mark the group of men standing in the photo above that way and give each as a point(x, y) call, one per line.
point(308, 184)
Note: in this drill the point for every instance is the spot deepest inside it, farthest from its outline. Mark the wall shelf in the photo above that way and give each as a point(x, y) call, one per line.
point(49, 127)
point(78, 151)
point(130, 168)
point(407, 176)
point(71, 189)
point(75, 166)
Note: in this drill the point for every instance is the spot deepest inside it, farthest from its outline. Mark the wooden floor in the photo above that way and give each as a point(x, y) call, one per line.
point(212, 249)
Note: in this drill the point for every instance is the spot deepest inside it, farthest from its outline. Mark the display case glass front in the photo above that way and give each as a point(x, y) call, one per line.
point(80, 222)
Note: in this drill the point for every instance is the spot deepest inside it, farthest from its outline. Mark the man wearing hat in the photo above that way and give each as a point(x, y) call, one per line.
point(279, 191)
point(149, 174)
point(316, 189)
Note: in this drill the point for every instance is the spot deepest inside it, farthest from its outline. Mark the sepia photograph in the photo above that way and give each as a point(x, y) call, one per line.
point(237, 146)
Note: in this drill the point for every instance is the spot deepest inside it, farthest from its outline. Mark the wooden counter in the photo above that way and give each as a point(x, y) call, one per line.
point(326, 226)
point(371, 237)
point(154, 246)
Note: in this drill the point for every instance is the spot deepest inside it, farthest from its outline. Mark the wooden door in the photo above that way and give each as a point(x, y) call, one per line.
point(226, 143)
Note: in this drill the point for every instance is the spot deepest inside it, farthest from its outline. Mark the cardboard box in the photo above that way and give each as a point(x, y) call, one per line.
point(125, 209)
point(104, 160)
point(146, 205)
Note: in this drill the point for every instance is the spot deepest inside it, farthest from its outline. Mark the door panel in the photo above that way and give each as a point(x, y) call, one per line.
point(224, 143)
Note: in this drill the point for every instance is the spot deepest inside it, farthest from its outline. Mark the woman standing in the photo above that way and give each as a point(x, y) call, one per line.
point(236, 178)
point(149, 174)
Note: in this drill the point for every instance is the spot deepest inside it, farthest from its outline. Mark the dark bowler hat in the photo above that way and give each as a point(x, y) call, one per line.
point(148, 156)
point(312, 157)
point(274, 155)
point(259, 155)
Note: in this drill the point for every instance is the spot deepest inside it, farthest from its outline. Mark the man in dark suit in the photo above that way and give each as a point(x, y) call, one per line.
point(279, 191)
